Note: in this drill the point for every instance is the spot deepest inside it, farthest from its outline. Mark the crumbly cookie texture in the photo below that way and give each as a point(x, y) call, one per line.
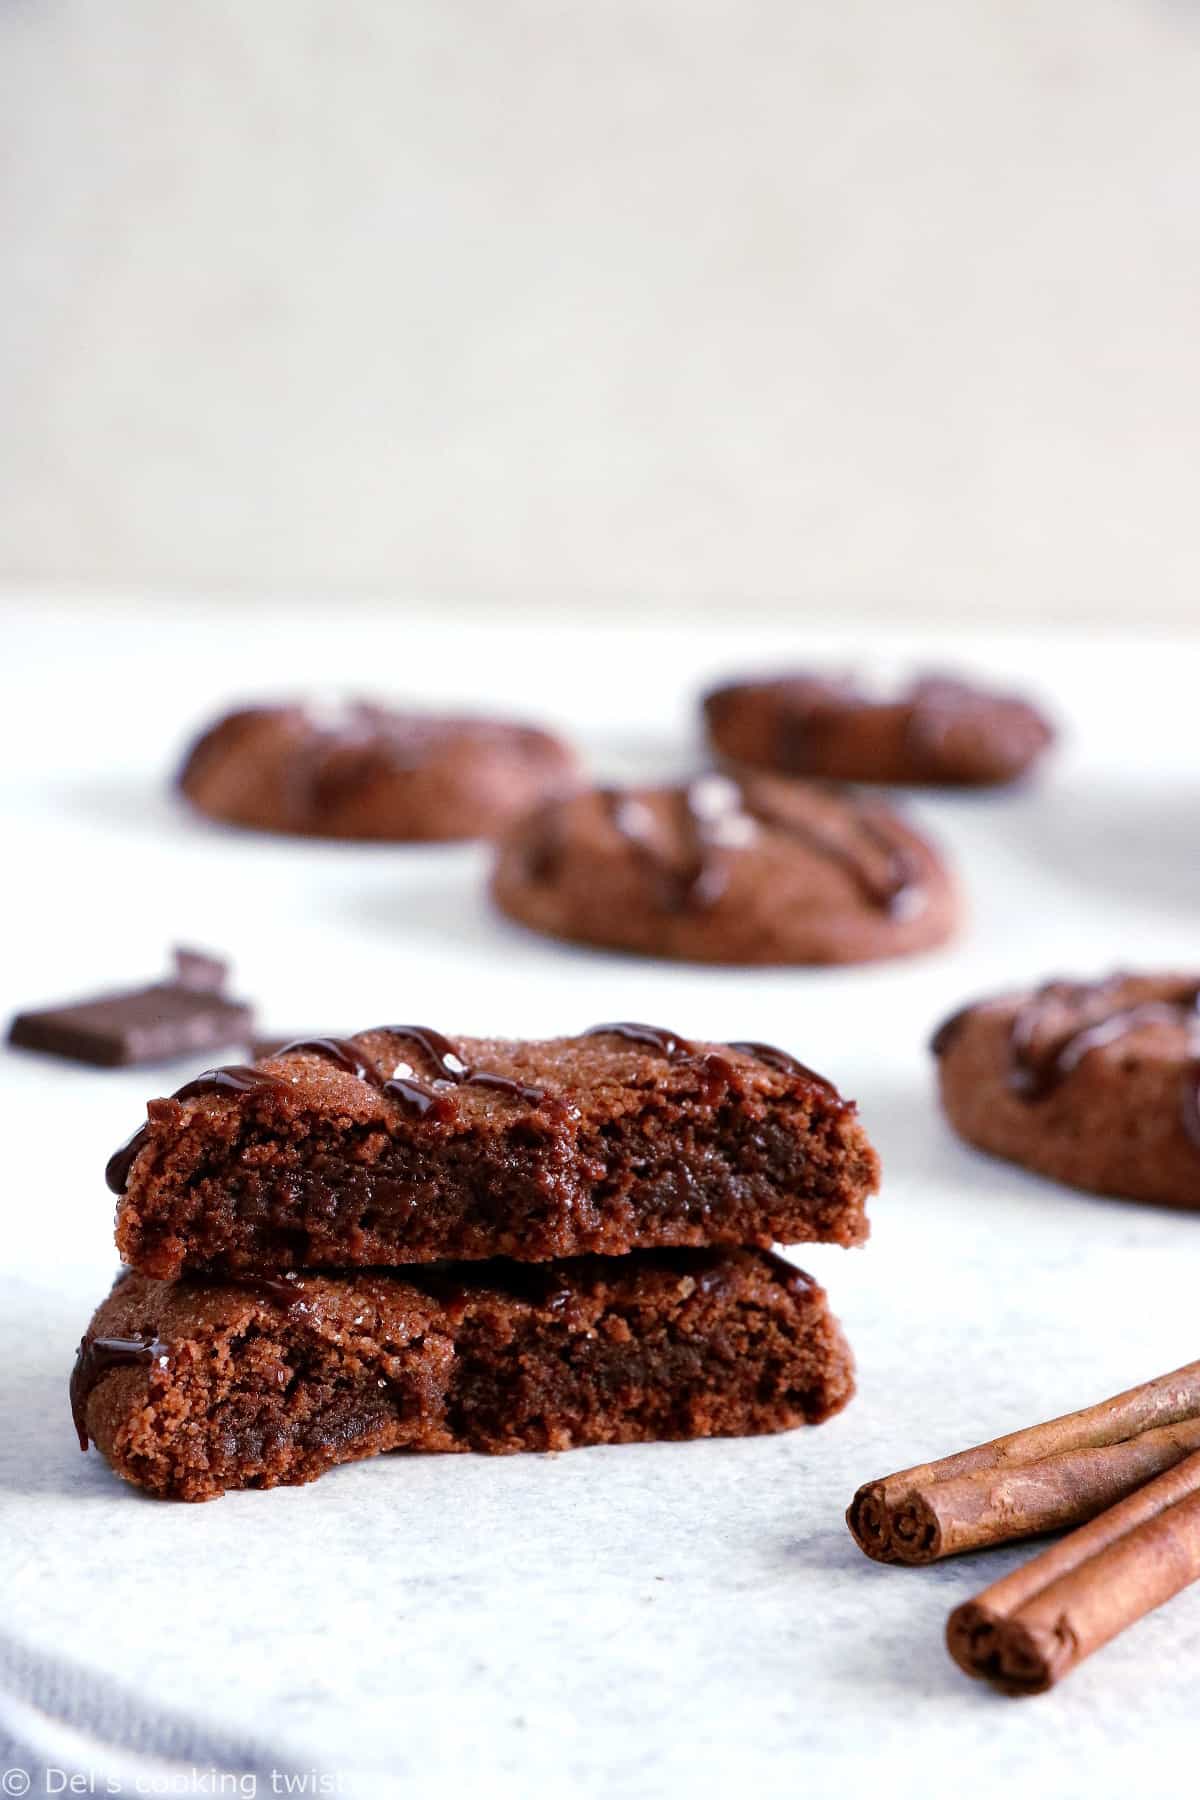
point(402, 1146)
point(193, 1388)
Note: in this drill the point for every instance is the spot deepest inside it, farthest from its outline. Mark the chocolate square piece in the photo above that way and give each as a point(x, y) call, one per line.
point(179, 1017)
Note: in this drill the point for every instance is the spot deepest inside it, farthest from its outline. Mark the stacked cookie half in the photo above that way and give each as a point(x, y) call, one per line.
point(393, 1241)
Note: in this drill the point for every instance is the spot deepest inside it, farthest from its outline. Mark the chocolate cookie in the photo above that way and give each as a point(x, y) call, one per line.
point(725, 871)
point(937, 733)
point(398, 1146)
point(362, 771)
point(1096, 1084)
point(193, 1388)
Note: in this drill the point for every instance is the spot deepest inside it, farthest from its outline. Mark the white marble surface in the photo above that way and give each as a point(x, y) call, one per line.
point(658, 1621)
point(658, 302)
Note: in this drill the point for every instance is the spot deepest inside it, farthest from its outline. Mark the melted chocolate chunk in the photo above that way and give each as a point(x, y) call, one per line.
point(95, 1358)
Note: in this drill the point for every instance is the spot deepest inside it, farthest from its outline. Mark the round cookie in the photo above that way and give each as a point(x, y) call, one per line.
point(937, 733)
point(1096, 1084)
point(727, 871)
point(360, 771)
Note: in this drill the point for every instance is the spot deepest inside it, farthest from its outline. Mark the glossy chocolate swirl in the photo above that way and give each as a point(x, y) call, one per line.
point(236, 1079)
point(668, 1043)
point(96, 1357)
point(680, 1049)
point(450, 1068)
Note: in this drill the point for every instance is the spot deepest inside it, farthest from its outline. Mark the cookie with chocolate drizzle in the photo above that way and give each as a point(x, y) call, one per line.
point(938, 731)
point(401, 1145)
point(192, 1388)
point(753, 870)
point(354, 769)
point(1094, 1083)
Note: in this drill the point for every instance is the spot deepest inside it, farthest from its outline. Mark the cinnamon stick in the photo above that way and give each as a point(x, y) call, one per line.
point(1040, 1479)
point(1031, 1628)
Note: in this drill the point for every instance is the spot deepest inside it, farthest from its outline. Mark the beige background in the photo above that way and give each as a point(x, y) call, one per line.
point(772, 304)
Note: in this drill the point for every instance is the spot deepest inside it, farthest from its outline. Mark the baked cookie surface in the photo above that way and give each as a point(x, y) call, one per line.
point(192, 1388)
point(939, 732)
point(1096, 1084)
point(356, 770)
point(748, 871)
point(401, 1146)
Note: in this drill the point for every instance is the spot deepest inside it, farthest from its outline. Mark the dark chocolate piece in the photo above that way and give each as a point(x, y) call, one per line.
point(159, 1023)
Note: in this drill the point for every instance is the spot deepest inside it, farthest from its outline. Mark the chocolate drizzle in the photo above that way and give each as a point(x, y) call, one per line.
point(1039, 1064)
point(667, 1043)
point(237, 1079)
point(345, 1054)
point(346, 746)
point(817, 712)
point(96, 1357)
point(719, 816)
point(1035, 1075)
point(450, 1068)
point(785, 1064)
point(679, 1049)
point(119, 1165)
